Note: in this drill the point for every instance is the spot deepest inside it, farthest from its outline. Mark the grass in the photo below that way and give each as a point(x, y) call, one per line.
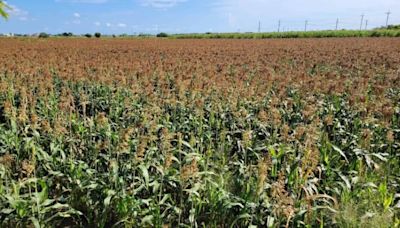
point(309, 34)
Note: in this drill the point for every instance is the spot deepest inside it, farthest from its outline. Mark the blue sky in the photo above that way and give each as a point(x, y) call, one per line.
point(185, 16)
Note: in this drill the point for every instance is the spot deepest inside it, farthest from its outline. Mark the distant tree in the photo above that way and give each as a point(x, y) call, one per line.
point(88, 35)
point(393, 27)
point(67, 34)
point(43, 35)
point(3, 7)
point(64, 34)
point(162, 34)
point(97, 35)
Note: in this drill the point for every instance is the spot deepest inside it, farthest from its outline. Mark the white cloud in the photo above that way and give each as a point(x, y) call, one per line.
point(16, 12)
point(161, 4)
point(97, 23)
point(112, 26)
point(77, 18)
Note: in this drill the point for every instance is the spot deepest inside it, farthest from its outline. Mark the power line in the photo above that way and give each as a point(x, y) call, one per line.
point(387, 18)
point(362, 20)
point(337, 24)
point(279, 25)
point(340, 23)
point(305, 26)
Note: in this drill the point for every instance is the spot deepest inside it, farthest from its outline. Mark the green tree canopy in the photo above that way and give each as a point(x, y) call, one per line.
point(3, 7)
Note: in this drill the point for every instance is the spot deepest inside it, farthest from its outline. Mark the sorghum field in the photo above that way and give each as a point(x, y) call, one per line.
point(200, 133)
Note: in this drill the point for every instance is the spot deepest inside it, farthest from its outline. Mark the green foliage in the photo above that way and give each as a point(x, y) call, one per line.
point(145, 35)
point(390, 27)
point(88, 35)
point(97, 35)
point(3, 7)
point(78, 152)
point(67, 34)
point(393, 27)
point(43, 35)
point(162, 34)
point(199, 169)
point(310, 34)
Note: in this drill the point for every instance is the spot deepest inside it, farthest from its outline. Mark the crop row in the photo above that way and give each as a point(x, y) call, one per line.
point(188, 133)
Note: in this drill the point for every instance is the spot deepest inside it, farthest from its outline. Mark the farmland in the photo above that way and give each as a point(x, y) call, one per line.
point(200, 133)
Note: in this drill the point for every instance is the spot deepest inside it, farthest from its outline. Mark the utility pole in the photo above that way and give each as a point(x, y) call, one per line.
point(259, 26)
point(337, 24)
point(279, 25)
point(387, 18)
point(366, 24)
point(362, 20)
point(305, 26)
